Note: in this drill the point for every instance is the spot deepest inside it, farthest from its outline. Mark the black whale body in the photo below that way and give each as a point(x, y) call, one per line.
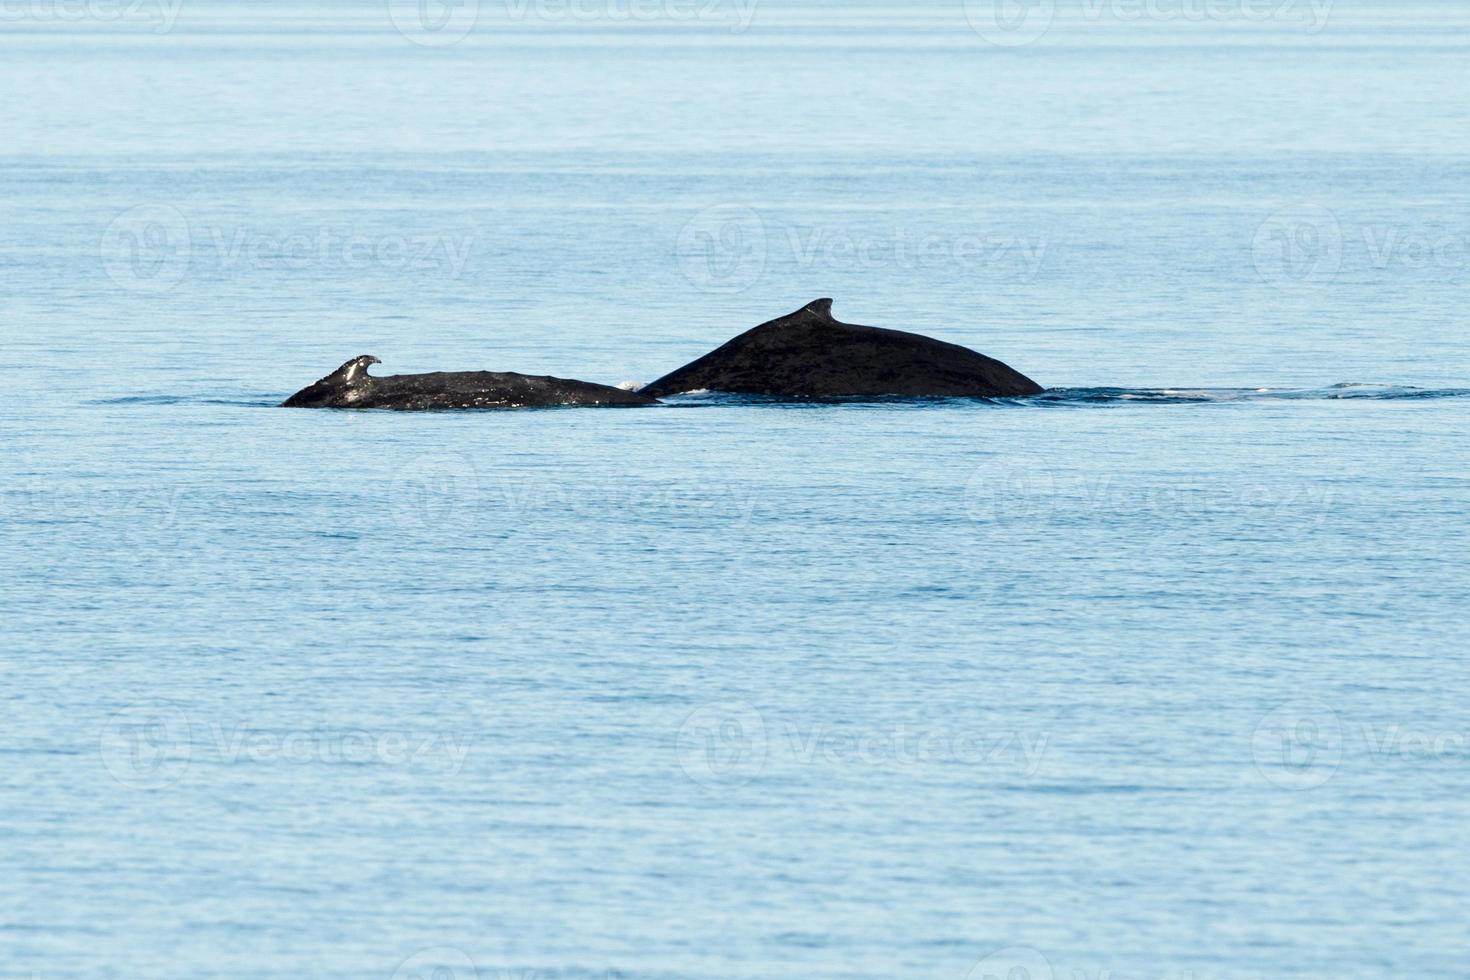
point(350, 386)
point(810, 354)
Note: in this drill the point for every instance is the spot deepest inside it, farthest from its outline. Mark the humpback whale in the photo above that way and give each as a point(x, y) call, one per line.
point(811, 354)
point(350, 386)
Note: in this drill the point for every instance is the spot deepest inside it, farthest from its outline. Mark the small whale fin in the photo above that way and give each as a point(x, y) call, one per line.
point(344, 385)
point(821, 307)
point(352, 372)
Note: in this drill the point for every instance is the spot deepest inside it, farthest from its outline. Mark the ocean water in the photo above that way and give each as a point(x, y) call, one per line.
point(1159, 675)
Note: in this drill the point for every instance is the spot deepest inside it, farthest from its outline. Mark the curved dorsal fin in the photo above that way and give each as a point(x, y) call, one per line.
point(353, 371)
point(821, 307)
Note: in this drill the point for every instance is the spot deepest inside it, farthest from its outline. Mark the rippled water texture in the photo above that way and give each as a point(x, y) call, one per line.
point(1158, 674)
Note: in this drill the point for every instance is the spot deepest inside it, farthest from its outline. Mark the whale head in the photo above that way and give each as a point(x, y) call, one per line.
point(342, 387)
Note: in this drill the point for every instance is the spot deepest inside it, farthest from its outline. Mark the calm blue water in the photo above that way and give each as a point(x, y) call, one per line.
point(1161, 675)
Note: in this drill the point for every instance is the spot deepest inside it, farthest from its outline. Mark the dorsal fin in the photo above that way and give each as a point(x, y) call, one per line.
point(821, 307)
point(353, 371)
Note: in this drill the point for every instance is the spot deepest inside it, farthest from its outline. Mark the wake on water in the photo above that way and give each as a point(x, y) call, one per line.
point(1052, 397)
point(1177, 396)
point(1083, 397)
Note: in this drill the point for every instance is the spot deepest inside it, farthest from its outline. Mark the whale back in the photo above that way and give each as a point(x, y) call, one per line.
point(350, 386)
point(809, 353)
point(342, 387)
